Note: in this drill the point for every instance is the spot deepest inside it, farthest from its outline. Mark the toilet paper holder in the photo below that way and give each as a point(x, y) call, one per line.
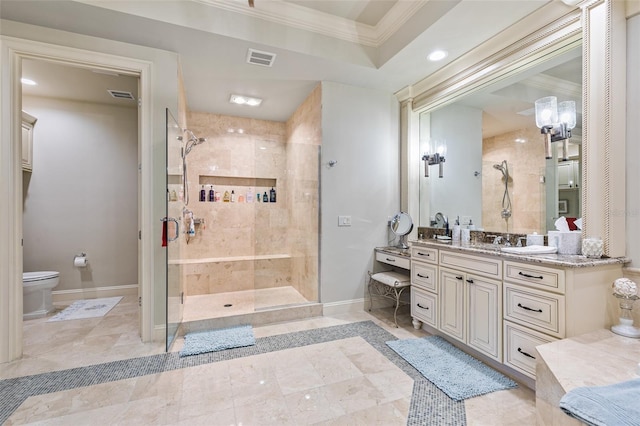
point(80, 260)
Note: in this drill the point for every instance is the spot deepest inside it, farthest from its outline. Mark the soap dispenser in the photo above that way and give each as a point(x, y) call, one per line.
point(212, 195)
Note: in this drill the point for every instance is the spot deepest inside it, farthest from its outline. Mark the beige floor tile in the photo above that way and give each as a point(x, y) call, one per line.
point(355, 394)
point(344, 382)
point(313, 406)
point(267, 411)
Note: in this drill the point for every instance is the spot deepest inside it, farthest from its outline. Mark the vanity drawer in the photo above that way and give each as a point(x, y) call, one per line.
point(424, 275)
point(400, 261)
point(520, 348)
point(537, 309)
point(424, 254)
point(488, 267)
point(424, 306)
point(535, 276)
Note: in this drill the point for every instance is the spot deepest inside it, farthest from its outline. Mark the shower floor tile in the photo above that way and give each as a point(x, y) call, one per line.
point(205, 306)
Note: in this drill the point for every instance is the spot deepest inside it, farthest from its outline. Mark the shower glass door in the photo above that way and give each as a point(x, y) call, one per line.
point(172, 230)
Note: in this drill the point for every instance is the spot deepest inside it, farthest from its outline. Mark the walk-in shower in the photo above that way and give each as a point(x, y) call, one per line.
point(506, 200)
point(248, 252)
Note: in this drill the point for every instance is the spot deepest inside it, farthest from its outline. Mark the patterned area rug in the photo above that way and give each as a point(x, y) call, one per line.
point(90, 308)
point(457, 374)
point(200, 342)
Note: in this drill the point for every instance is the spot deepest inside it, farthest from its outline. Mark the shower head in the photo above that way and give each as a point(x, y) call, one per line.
point(191, 142)
point(503, 168)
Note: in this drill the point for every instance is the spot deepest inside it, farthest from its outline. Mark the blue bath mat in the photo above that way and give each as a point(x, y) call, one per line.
point(457, 374)
point(200, 342)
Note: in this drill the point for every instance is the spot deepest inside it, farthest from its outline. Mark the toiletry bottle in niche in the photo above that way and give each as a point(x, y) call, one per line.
point(249, 196)
point(272, 195)
point(233, 196)
point(217, 196)
point(212, 194)
point(265, 198)
point(258, 197)
point(226, 197)
point(203, 194)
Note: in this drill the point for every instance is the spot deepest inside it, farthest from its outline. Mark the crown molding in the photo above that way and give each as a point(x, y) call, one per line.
point(295, 16)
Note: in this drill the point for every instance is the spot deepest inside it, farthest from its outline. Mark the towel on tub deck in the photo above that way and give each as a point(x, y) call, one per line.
point(617, 404)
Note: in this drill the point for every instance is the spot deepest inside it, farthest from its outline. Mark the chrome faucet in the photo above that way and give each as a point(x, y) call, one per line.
point(507, 242)
point(520, 241)
point(496, 238)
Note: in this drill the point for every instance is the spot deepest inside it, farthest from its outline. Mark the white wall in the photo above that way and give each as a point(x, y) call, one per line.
point(632, 139)
point(360, 131)
point(82, 195)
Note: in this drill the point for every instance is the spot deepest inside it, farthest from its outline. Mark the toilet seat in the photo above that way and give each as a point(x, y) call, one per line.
point(30, 277)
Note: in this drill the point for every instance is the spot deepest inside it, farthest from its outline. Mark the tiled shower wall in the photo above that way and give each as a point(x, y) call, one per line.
point(248, 155)
point(526, 164)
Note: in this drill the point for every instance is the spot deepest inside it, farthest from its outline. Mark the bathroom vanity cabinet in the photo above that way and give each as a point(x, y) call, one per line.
point(503, 305)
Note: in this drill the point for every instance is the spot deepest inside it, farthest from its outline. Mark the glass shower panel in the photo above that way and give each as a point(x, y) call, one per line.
point(172, 231)
point(287, 223)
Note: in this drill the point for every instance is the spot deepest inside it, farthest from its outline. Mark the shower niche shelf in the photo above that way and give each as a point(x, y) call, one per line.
point(237, 181)
point(229, 259)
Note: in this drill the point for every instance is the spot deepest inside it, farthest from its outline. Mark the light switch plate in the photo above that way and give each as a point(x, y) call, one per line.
point(344, 220)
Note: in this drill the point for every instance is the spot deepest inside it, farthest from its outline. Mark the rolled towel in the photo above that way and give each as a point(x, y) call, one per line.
point(605, 405)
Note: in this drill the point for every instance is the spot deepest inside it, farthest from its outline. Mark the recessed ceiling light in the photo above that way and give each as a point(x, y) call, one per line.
point(437, 55)
point(520, 140)
point(245, 100)
point(28, 82)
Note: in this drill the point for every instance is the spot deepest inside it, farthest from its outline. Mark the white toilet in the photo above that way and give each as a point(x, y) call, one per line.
point(36, 292)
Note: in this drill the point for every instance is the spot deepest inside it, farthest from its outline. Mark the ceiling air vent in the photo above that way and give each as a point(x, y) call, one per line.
point(257, 57)
point(119, 94)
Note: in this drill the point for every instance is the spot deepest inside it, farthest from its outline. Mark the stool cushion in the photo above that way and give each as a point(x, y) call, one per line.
point(393, 279)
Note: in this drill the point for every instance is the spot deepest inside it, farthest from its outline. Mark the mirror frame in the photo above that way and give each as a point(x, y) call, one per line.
point(600, 25)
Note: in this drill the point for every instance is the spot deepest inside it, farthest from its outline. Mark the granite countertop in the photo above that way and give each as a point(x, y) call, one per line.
point(563, 260)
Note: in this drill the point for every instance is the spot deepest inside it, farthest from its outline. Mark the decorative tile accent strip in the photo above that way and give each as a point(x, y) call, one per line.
point(429, 405)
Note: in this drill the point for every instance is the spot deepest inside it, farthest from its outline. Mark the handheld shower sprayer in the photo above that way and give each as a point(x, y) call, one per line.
point(192, 141)
point(506, 200)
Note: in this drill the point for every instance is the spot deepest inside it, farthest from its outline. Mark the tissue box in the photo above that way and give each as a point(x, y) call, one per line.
point(566, 242)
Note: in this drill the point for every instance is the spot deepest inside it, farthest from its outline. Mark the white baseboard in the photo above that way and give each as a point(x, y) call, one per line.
point(160, 333)
point(343, 307)
point(64, 296)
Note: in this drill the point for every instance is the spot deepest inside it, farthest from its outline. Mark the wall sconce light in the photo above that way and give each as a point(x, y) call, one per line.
point(439, 149)
point(555, 122)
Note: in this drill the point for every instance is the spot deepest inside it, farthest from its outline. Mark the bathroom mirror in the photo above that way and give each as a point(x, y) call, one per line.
point(495, 126)
point(402, 225)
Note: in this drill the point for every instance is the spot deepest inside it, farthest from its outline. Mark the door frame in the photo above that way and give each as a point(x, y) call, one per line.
point(12, 51)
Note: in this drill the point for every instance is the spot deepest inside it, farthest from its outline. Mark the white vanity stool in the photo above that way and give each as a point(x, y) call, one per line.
point(391, 283)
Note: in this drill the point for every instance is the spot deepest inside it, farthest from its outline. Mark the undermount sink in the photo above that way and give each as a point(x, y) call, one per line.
point(530, 250)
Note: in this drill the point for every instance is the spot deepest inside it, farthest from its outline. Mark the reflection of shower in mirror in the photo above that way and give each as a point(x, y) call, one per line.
point(506, 200)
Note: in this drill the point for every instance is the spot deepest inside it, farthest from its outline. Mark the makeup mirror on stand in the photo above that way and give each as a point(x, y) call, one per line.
point(402, 225)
